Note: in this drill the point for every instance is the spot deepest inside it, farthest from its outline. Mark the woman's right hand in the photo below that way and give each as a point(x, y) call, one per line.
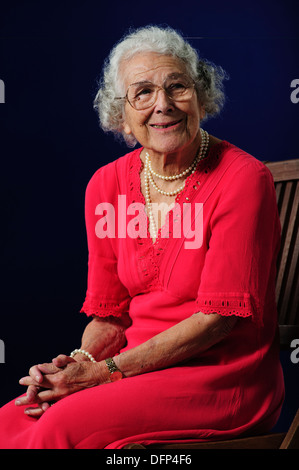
point(37, 372)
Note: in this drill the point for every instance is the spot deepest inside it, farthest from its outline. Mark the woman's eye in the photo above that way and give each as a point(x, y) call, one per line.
point(144, 91)
point(177, 86)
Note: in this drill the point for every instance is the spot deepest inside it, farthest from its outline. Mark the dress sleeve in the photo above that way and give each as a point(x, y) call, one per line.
point(105, 295)
point(239, 269)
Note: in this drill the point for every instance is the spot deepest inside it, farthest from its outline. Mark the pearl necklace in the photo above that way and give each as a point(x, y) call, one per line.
point(199, 156)
point(148, 178)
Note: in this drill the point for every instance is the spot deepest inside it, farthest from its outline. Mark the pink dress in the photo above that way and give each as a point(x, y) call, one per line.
point(232, 389)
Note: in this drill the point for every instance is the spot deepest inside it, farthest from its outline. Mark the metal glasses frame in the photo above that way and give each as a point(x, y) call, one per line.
point(157, 88)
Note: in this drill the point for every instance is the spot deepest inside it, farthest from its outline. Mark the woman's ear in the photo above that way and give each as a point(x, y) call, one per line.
point(202, 112)
point(127, 129)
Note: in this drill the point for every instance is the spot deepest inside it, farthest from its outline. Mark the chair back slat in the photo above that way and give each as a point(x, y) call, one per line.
point(286, 180)
point(288, 261)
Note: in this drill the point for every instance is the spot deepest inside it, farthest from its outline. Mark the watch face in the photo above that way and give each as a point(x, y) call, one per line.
point(117, 375)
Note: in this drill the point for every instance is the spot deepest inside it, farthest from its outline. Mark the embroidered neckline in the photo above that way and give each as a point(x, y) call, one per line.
point(197, 178)
point(150, 254)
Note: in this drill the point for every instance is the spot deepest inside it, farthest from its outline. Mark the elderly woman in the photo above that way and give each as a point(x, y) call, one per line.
point(183, 234)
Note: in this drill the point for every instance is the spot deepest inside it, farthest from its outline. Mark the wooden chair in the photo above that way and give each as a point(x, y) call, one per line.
point(286, 177)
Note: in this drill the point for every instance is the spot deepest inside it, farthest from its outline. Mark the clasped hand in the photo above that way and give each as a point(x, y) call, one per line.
point(49, 382)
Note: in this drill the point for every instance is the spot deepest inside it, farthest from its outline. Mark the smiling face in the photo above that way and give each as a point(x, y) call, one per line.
point(167, 126)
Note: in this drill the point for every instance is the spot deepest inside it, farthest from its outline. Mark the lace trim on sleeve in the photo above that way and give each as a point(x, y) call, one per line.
point(227, 304)
point(103, 308)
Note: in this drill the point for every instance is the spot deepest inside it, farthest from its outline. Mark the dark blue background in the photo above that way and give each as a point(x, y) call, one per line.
point(50, 144)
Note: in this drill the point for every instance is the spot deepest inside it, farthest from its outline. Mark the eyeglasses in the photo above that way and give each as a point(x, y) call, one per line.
point(142, 95)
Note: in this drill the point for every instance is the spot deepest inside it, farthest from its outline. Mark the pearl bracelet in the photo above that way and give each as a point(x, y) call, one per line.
point(86, 353)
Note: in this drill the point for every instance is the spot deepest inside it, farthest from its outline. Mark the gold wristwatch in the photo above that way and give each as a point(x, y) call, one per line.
point(115, 373)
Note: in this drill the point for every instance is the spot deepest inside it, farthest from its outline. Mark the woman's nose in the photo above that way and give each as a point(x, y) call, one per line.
point(163, 102)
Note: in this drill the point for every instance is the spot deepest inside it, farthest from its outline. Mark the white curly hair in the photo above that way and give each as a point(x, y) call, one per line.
point(208, 77)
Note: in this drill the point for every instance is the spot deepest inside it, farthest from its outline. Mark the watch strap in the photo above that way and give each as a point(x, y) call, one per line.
point(115, 373)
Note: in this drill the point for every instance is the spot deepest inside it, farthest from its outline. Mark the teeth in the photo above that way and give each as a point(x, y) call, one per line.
point(162, 126)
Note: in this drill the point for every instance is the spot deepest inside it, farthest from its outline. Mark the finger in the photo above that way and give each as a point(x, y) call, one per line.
point(62, 360)
point(48, 368)
point(20, 401)
point(30, 397)
point(48, 396)
point(32, 392)
point(36, 374)
point(28, 380)
point(34, 412)
point(39, 410)
point(45, 406)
